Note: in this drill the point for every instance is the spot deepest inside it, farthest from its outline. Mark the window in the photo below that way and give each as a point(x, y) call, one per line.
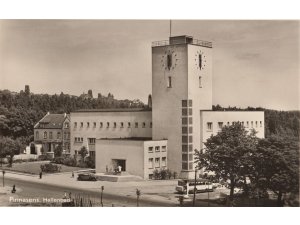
point(76, 152)
point(150, 124)
point(190, 103)
point(157, 148)
point(58, 135)
point(115, 124)
point(184, 157)
point(66, 125)
point(65, 135)
point(220, 125)
point(88, 124)
point(164, 161)
point(75, 125)
point(95, 124)
point(242, 123)
point(228, 124)
point(169, 61)
point(184, 103)
point(150, 149)
point(184, 111)
point(184, 148)
point(37, 136)
point(190, 130)
point(75, 139)
point(252, 124)
point(136, 125)
point(247, 124)
point(144, 125)
point(122, 124)
point(150, 176)
point(81, 124)
point(190, 111)
point(190, 157)
point(200, 61)
point(184, 139)
point(200, 82)
point(256, 124)
point(209, 126)
point(184, 121)
point(260, 123)
point(157, 162)
point(45, 135)
point(190, 120)
point(163, 148)
point(184, 130)
point(150, 163)
point(92, 141)
point(191, 166)
point(190, 139)
point(107, 124)
point(184, 166)
point(169, 82)
point(190, 148)
point(81, 140)
point(129, 124)
point(101, 124)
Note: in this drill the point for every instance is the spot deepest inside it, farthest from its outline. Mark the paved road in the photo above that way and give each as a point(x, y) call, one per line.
point(27, 189)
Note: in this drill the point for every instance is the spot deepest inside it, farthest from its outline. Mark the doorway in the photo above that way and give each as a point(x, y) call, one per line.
point(119, 162)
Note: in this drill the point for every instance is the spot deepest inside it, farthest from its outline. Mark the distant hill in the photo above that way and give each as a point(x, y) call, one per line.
point(20, 111)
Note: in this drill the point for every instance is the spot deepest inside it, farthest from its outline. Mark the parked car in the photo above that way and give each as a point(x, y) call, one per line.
point(86, 177)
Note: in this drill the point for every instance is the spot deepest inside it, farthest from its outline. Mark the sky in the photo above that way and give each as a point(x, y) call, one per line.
point(255, 63)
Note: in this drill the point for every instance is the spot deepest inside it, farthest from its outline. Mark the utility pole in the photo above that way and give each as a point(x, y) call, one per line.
point(195, 189)
point(3, 173)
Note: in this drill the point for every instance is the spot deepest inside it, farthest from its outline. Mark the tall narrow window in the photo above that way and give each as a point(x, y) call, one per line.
point(169, 82)
point(169, 61)
point(45, 135)
point(209, 126)
point(200, 82)
point(200, 61)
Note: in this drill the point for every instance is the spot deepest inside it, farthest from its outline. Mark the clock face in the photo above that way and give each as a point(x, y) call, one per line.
point(169, 59)
point(200, 60)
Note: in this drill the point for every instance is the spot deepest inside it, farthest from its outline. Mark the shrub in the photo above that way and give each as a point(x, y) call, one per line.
point(90, 163)
point(69, 161)
point(44, 157)
point(162, 174)
point(58, 160)
point(50, 168)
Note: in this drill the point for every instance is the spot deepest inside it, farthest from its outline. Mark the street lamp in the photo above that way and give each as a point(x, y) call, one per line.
point(3, 173)
point(102, 189)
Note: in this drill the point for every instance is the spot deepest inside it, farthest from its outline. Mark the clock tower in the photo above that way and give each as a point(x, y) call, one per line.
point(181, 87)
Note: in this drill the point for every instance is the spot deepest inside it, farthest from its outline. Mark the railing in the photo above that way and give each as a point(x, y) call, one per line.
point(193, 42)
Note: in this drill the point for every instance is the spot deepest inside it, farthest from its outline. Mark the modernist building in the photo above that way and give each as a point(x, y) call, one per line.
point(179, 121)
point(52, 130)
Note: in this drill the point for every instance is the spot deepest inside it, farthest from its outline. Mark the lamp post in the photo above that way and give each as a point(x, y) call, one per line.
point(3, 173)
point(195, 189)
point(102, 189)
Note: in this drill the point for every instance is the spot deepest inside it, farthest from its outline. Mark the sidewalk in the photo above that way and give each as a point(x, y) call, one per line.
point(153, 190)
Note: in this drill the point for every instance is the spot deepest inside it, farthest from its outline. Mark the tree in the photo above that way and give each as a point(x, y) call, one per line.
point(276, 166)
point(58, 151)
point(227, 154)
point(83, 152)
point(9, 147)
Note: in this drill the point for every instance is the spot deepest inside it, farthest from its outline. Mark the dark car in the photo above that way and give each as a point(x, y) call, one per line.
point(86, 177)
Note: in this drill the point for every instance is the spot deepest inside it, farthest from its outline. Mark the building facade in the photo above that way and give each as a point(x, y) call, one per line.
point(52, 130)
point(178, 120)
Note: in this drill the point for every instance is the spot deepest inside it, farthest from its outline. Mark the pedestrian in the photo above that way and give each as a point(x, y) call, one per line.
point(14, 189)
point(41, 174)
point(72, 174)
point(119, 168)
point(106, 169)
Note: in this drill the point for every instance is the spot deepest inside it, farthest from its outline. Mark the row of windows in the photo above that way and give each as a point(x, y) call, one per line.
point(159, 162)
point(187, 166)
point(90, 140)
point(157, 149)
point(114, 125)
point(58, 135)
point(187, 157)
point(245, 124)
point(78, 139)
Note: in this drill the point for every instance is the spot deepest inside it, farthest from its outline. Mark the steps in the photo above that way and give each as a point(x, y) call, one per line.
point(123, 177)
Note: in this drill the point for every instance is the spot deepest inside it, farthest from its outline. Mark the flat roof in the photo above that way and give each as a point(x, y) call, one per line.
point(206, 110)
point(128, 139)
point(115, 110)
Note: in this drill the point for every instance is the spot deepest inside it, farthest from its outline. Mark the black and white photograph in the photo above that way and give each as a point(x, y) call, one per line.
point(108, 114)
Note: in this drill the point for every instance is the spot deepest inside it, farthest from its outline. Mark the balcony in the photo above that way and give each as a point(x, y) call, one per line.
point(206, 44)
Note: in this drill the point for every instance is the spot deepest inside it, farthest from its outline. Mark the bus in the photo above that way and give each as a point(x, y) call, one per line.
point(201, 185)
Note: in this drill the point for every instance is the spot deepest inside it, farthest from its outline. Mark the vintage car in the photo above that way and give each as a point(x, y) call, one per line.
point(86, 177)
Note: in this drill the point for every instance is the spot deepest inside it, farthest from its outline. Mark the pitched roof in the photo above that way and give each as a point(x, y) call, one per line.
point(52, 121)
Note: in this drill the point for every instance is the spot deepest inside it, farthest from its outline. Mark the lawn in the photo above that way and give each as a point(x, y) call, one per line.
point(35, 167)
